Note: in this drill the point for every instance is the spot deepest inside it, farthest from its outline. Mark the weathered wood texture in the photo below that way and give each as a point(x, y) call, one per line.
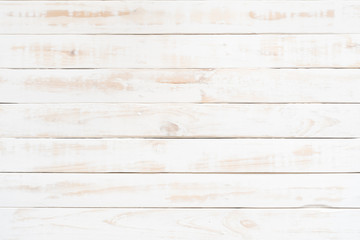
point(180, 17)
point(179, 85)
point(184, 224)
point(129, 117)
point(178, 190)
point(179, 155)
point(179, 51)
point(180, 120)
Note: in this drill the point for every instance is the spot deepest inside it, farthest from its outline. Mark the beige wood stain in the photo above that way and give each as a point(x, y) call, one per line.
point(179, 120)
point(203, 224)
point(180, 51)
point(180, 155)
point(180, 17)
point(179, 190)
point(180, 85)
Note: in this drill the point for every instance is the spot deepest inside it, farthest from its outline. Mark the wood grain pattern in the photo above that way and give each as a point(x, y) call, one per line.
point(201, 224)
point(179, 51)
point(179, 85)
point(179, 155)
point(174, 17)
point(180, 120)
point(178, 190)
point(166, 119)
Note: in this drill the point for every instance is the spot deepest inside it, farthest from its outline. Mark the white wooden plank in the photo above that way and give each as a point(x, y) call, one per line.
point(178, 190)
point(179, 85)
point(133, 17)
point(179, 51)
point(186, 224)
point(179, 155)
point(180, 120)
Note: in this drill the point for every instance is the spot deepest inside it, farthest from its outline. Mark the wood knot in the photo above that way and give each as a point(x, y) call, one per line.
point(169, 128)
point(74, 52)
point(248, 224)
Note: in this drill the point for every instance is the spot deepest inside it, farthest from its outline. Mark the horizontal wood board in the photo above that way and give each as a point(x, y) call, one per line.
point(255, 85)
point(180, 120)
point(180, 51)
point(179, 17)
point(185, 224)
point(179, 190)
point(180, 155)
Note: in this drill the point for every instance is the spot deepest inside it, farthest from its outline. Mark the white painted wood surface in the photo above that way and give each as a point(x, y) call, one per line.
point(180, 120)
point(179, 17)
point(180, 51)
point(180, 85)
point(185, 224)
point(179, 190)
point(135, 119)
point(179, 155)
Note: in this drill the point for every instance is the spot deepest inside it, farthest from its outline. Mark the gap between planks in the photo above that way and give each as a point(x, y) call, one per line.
point(194, 173)
point(184, 138)
point(167, 68)
point(214, 103)
point(195, 208)
point(169, 34)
